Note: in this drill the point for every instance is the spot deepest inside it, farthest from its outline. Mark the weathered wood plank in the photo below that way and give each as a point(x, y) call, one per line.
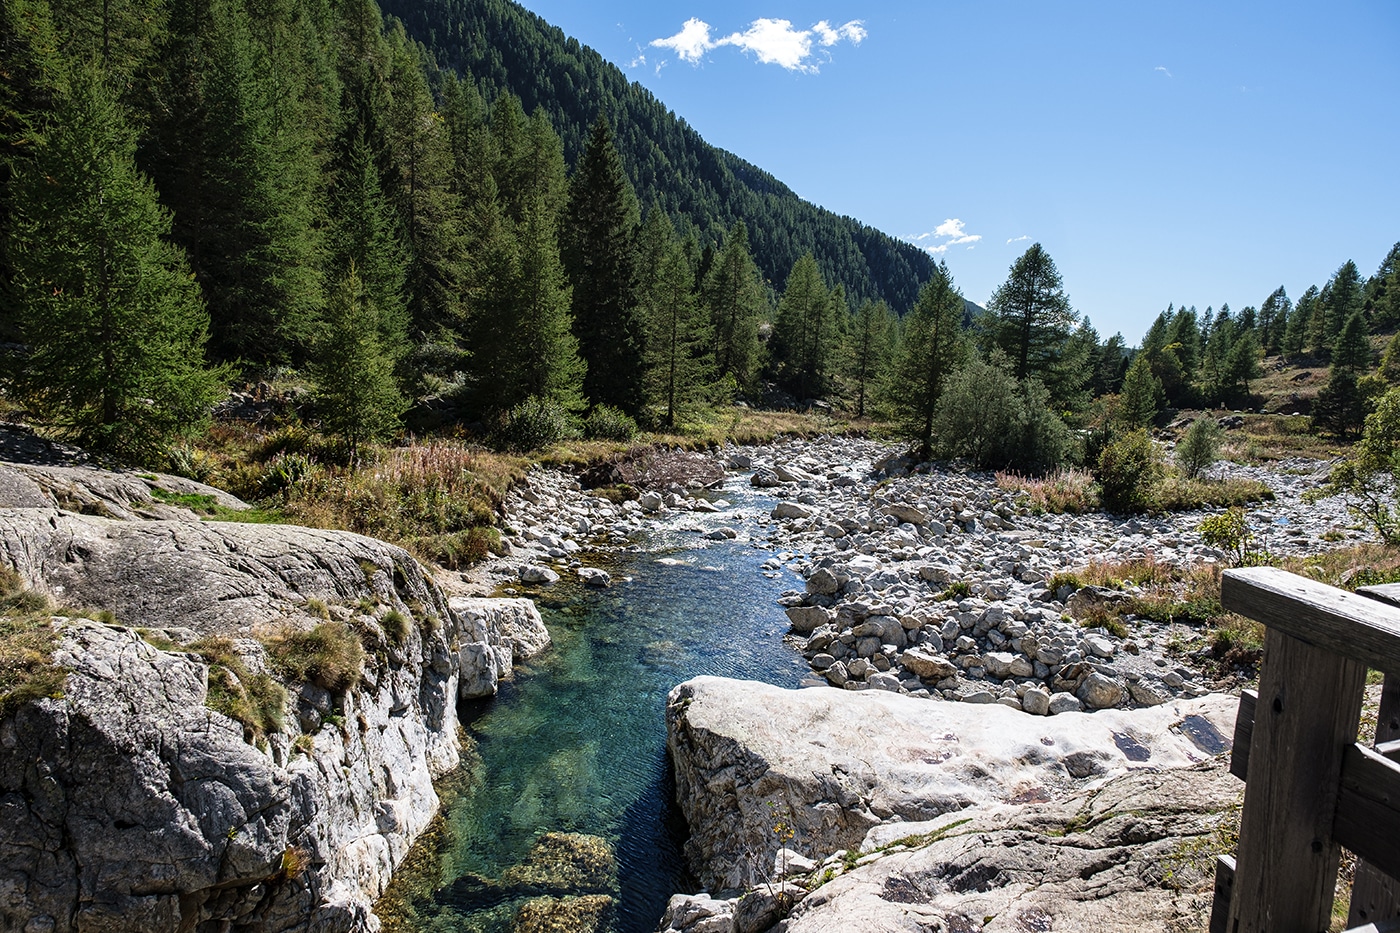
point(1308, 711)
point(1385, 926)
point(1385, 592)
point(1224, 888)
point(1244, 734)
point(1368, 809)
point(1316, 614)
point(1375, 895)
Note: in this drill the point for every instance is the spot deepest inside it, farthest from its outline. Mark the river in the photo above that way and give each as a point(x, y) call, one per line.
point(576, 743)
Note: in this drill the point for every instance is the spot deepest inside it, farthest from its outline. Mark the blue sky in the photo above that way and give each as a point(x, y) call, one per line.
point(1197, 153)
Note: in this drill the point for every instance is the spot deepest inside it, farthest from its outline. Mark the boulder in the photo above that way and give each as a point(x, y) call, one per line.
point(844, 762)
point(927, 665)
point(823, 582)
point(791, 510)
point(806, 619)
point(595, 577)
point(1099, 691)
point(538, 573)
point(764, 478)
point(651, 502)
point(906, 513)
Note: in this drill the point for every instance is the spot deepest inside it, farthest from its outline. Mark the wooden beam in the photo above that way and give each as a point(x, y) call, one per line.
point(1316, 614)
point(1375, 895)
point(1244, 734)
point(1224, 888)
point(1368, 809)
point(1384, 592)
point(1286, 862)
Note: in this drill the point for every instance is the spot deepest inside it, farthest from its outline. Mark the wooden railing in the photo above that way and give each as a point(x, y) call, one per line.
point(1311, 789)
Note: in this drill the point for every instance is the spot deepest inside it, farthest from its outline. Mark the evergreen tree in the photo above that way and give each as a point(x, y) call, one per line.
point(1273, 320)
point(1352, 348)
point(1390, 361)
point(678, 335)
point(869, 341)
point(1110, 366)
point(805, 333)
point(1184, 337)
point(356, 395)
point(599, 251)
point(115, 324)
point(1381, 299)
point(1295, 336)
point(933, 348)
point(734, 294)
point(1033, 322)
point(1344, 298)
point(1242, 364)
point(544, 360)
point(1141, 397)
point(1341, 407)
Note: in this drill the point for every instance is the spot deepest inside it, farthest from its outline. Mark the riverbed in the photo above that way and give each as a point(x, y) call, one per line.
point(576, 743)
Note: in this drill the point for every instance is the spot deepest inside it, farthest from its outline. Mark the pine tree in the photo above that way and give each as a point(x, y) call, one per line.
point(113, 318)
point(804, 335)
point(599, 251)
point(1242, 364)
point(734, 294)
point(933, 348)
point(1033, 322)
point(1341, 406)
point(869, 342)
point(1344, 298)
point(1352, 348)
point(356, 395)
point(544, 362)
point(1295, 336)
point(1273, 320)
point(1141, 397)
point(678, 335)
point(1381, 299)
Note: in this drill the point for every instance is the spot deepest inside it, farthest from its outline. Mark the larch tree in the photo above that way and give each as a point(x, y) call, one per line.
point(1141, 397)
point(734, 294)
point(356, 395)
point(114, 320)
point(678, 358)
point(806, 331)
point(1033, 323)
point(869, 341)
point(598, 241)
point(933, 348)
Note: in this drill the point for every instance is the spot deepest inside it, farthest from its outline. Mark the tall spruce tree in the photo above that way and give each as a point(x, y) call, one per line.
point(932, 349)
point(806, 333)
point(115, 322)
point(1141, 397)
point(599, 252)
point(734, 293)
point(1273, 320)
point(1382, 294)
point(1352, 347)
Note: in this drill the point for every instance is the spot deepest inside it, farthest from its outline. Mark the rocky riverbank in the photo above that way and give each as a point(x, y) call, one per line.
point(925, 580)
point(182, 778)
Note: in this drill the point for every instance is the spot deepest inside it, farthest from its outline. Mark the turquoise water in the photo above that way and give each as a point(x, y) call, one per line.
point(576, 744)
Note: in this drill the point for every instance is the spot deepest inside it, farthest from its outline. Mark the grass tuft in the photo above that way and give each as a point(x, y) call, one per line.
point(329, 656)
point(256, 701)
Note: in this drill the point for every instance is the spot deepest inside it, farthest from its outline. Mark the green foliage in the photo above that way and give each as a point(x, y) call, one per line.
point(1370, 477)
point(1230, 531)
point(985, 415)
point(1340, 408)
point(599, 234)
point(1127, 470)
point(805, 335)
point(396, 626)
point(1352, 349)
point(114, 322)
point(535, 424)
point(870, 339)
point(356, 395)
point(1200, 447)
point(1031, 320)
point(329, 655)
point(1141, 397)
point(605, 423)
point(933, 347)
point(678, 357)
point(734, 296)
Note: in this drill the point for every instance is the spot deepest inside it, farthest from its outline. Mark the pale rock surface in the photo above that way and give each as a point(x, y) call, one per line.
point(841, 763)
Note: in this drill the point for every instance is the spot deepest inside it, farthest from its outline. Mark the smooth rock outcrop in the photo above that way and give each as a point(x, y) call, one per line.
point(842, 763)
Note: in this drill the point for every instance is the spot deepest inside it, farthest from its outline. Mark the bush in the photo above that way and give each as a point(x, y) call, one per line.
point(1128, 471)
point(1370, 478)
point(535, 423)
point(329, 656)
point(1199, 448)
point(988, 417)
point(1230, 531)
point(606, 423)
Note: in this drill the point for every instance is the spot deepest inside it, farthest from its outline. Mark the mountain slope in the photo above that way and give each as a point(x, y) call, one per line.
point(504, 47)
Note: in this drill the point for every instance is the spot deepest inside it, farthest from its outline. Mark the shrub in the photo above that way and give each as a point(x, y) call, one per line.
point(1370, 478)
point(1064, 490)
point(535, 423)
point(396, 626)
point(606, 423)
point(991, 419)
point(1230, 531)
point(329, 656)
point(1199, 448)
point(1128, 471)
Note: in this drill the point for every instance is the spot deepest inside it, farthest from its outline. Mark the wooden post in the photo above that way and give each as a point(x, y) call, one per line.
point(1286, 864)
point(1375, 896)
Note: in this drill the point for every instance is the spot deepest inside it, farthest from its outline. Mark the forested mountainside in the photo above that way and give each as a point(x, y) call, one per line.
point(506, 48)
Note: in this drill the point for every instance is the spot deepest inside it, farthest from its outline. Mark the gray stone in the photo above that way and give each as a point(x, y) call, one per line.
point(538, 573)
point(1063, 703)
point(823, 582)
point(1099, 691)
point(927, 665)
point(806, 619)
point(791, 510)
point(1036, 701)
point(595, 576)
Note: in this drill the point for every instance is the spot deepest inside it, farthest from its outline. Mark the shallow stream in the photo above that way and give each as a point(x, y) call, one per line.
point(576, 743)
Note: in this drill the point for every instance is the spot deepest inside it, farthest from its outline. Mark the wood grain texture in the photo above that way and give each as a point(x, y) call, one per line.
point(1375, 895)
point(1316, 614)
point(1308, 711)
point(1244, 734)
point(1368, 809)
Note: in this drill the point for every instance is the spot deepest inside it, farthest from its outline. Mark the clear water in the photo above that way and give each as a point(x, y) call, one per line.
point(576, 744)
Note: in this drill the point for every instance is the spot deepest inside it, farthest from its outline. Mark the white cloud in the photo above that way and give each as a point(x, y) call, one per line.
point(1017, 239)
point(1163, 70)
point(952, 232)
point(772, 41)
point(691, 43)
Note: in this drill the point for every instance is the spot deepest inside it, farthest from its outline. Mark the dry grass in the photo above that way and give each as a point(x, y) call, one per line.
point(255, 701)
point(1278, 437)
point(1176, 493)
point(329, 656)
point(27, 642)
point(1064, 491)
